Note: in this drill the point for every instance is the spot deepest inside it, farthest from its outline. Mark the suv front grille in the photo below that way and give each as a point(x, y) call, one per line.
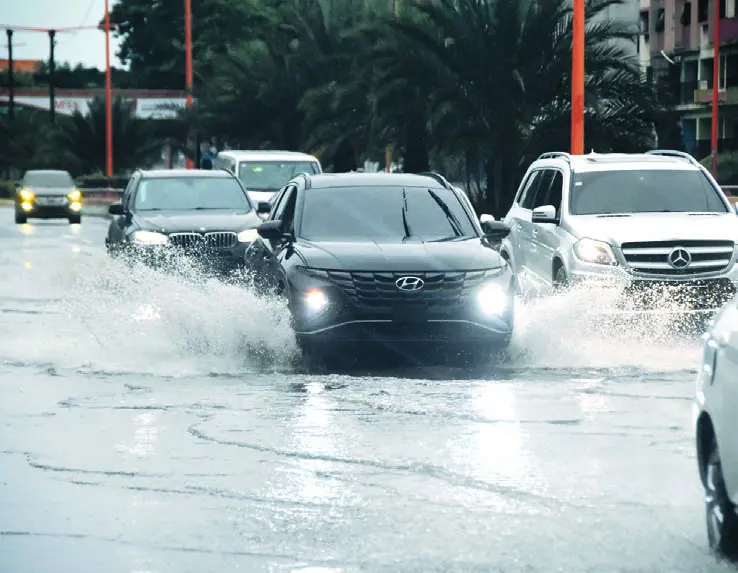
point(652, 257)
point(213, 240)
point(379, 289)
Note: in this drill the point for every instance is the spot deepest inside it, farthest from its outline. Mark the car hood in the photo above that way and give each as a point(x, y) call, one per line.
point(257, 196)
point(198, 221)
point(656, 227)
point(50, 191)
point(468, 255)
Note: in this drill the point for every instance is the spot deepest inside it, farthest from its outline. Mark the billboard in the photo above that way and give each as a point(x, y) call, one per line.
point(146, 108)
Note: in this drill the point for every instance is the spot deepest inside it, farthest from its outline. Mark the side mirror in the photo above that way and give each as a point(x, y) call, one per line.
point(495, 230)
point(116, 208)
point(263, 208)
point(544, 214)
point(271, 230)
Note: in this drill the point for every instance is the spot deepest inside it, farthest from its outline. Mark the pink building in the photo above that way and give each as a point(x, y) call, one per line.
point(677, 42)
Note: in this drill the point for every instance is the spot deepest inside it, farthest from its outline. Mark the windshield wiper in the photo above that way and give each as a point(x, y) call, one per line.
point(404, 216)
point(455, 225)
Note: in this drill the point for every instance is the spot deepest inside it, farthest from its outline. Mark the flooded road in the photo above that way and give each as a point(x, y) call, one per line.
point(151, 425)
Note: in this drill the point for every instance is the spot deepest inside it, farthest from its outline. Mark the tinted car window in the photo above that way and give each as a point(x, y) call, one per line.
point(376, 214)
point(268, 175)
point(48, 179)
point(190, 193)
point(643, 191)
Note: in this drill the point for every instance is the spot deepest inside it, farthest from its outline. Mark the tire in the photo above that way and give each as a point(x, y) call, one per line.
point(75, 219)
point(20, 218)
point(560, 279)
point(720, 517)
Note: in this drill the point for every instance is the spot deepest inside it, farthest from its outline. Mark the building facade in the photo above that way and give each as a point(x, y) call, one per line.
point(676, 46)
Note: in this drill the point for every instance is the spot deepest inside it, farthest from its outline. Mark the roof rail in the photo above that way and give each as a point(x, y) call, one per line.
point(673, 153)
point(554, 155)
point(438, 177)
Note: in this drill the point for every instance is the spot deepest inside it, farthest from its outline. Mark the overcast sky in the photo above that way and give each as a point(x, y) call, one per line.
point(85, 46)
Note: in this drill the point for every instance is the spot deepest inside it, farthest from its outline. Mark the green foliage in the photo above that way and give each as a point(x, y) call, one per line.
point(100, 181)
point(7, 189)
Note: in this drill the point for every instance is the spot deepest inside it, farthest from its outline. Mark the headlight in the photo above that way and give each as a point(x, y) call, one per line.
point(591, 251)
point(247, 236)
point(75, 195)
point(315, 300)
point(493, 299)
point(149, 238)
point(26, 195)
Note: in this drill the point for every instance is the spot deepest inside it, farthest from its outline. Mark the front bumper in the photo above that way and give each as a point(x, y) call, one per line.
point(451, 316)
point(61, 210)
point(700, 294)
point(168, 257)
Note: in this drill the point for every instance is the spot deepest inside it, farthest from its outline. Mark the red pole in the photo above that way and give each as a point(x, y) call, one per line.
point(577, 79)
point(108, 98)
point(188, 59)
point(715, 83)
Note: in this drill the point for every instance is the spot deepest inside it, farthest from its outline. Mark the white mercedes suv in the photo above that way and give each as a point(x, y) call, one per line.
point(649, 222)
point(716, 428)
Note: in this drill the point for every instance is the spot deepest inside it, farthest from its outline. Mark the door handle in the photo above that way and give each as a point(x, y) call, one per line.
point(535, 232)
point(519, 227)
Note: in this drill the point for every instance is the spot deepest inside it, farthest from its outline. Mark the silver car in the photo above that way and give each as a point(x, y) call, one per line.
point(653, 222)
point(48, 194)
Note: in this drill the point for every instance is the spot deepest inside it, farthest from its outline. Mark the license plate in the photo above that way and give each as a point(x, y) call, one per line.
point(50, 201)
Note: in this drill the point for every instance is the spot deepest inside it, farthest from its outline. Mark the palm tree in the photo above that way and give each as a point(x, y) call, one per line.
point(493, 80)
point(80, 140)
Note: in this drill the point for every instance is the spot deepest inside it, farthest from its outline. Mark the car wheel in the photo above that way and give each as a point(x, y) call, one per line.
point(20, 218)
point(720, 516)
point(75, 219)
point(561, 281)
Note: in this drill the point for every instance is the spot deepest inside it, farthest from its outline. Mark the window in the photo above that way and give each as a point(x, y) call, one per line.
point(555, 190)
point(285, 212)
point(384, 214)
point(48, 179)
point(271, 175)
point(644, 191)
point(191, 193)
point(529, 193)
point(544, 184)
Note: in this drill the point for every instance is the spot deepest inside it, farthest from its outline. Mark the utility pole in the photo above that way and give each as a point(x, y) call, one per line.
point(108, 99)
point(577, 79)
point(52, 97)
point(11, 77)
point(188, 69)
point(715, 85)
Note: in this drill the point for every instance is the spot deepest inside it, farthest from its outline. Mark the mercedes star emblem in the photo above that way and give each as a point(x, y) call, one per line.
point(679, 258)
point(409, 283)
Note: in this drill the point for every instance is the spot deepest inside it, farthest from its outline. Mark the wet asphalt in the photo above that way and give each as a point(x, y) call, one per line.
point(149, 424)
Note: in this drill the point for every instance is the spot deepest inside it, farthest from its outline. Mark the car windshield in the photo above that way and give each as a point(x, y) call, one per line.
point(643, 191)
point(272, 175)
point(190, 193)
point(384, 214)
point(48, 179)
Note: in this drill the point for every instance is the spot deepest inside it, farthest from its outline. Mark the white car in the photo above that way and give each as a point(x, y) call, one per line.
point(716, 428)
point(651, 222)
point(265, 172)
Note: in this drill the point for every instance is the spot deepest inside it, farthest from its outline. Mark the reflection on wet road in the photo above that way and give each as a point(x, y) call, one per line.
point(153, 425)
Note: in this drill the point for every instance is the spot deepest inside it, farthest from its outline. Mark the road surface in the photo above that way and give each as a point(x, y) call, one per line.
point(149, 424)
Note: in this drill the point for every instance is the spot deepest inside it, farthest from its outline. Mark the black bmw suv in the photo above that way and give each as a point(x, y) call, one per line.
point(202, 215)
point(398, 260)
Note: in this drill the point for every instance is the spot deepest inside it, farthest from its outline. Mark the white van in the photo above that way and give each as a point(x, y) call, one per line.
point(263, 173)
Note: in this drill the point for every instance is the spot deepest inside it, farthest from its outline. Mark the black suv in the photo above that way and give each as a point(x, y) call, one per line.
point(398, 260)
point(201, 214)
